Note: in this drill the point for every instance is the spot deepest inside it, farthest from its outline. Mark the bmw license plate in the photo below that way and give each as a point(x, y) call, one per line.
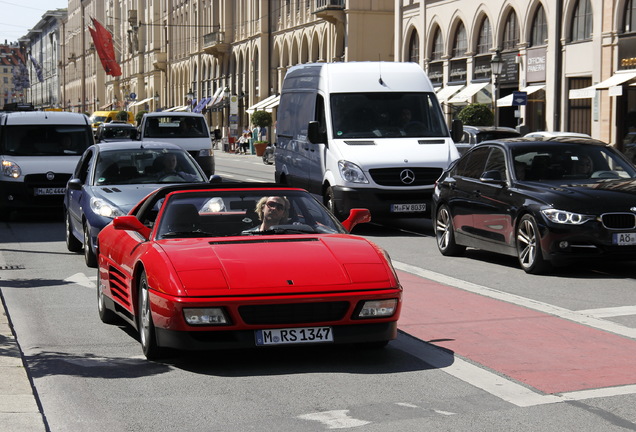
point(408, 208)
point(624, 239)
point(49, 191)
point(294, 335)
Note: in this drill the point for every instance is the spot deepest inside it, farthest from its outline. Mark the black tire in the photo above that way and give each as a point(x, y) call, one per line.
point(445, 233)
point(89, 255)
point(527, 239)
point(330, 203)
point(106, 315)
point(147, 334)
point(72, 243)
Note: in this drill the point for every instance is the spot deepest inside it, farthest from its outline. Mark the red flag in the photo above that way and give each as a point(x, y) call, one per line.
point(103, 41)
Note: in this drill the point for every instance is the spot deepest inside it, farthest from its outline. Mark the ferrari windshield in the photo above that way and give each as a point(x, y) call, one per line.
point(223, 213)
point(386, 115)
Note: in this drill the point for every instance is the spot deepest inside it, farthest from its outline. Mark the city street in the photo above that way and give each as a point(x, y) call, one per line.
point(482, 346)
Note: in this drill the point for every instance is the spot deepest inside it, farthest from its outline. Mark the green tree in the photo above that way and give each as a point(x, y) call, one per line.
point(122, 116)
point(139, 115)
point(476, 114)
point(262, 119)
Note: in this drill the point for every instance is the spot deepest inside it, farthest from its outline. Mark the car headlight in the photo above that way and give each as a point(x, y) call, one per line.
point(105, 209)
point(11, 169)
point(205, 316)
point(377, 308)
point(566, 217)
point(205, 152)
point(351, 172)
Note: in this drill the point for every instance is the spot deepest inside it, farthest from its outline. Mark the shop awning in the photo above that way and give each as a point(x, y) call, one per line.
point(141, 102)
point(506, 101)
point(273, 104)
point(258, 106)
point(177, 108)
point(202, 104)
point(615, 80)
point(216, 97)
point(105, 107)
point(446, 92)
point(467, 93)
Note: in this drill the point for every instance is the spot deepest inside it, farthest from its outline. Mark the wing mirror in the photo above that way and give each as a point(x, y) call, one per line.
point(131, 223)
point(493, 176)
point(74, 184)
point(356, 216)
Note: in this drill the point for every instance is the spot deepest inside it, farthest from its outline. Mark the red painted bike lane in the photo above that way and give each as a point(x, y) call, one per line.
point(551, 354)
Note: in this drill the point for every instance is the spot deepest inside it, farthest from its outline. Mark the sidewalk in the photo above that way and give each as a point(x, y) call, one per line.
point(19, 410)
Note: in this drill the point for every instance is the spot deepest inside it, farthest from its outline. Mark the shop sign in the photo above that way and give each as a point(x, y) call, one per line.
point(627, 53)
point(481, 67)
point(436, 72)
point(536, 65)
point(457, 71)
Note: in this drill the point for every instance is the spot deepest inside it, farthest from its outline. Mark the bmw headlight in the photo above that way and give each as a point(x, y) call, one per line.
point(103, 208)
point(11, 169)
point(566, 217)
point(351, 172)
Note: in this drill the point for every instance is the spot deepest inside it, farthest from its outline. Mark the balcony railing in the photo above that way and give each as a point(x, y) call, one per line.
point(329, 4)
point(330, 10)
point(214, 43)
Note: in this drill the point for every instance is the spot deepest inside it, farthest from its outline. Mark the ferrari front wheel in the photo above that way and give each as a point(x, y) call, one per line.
point(147, 334)
point(106, 315)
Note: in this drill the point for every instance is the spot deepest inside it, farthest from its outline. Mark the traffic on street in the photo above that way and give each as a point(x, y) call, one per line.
point(481, 345)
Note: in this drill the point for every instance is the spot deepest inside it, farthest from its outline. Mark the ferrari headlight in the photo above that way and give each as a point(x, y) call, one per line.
point(351, 172)
point(205, 316)
point(11, 169)
point(566, 217)
point(103, 208)
point(377, 308)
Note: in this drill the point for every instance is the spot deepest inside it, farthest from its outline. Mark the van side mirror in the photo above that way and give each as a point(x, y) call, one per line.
point(217, 134)
point(457, 130)
point(315, 133)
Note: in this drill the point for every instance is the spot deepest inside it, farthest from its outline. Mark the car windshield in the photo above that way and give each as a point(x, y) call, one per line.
point(117, 132)
point(243, 213)
point(45, 140)
point(175, 126)
point(386, 115)
point(145, 166)
point(561, 161)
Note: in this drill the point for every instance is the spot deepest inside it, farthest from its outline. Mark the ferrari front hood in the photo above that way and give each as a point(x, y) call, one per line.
point(276, 264)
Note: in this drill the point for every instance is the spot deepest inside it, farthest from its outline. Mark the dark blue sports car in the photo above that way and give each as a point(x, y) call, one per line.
point(544, 200)
point(111, 178)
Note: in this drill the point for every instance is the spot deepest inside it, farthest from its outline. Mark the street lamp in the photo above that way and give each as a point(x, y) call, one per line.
point(496, 67)
point(190, 96)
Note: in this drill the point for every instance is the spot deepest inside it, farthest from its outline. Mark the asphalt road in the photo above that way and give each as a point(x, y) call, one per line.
point(483, 346)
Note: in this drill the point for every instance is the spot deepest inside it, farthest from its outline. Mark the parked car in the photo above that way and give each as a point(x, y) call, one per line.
point(115, 131)
point(629, 146)
point(545, 200)
point(551, 134)
point(475, 134)
point(112, 177)
point(189, 268)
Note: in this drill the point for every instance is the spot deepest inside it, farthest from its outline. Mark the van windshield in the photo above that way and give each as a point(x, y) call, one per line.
point(45, 140)
point(176, 127)
point(387, 115)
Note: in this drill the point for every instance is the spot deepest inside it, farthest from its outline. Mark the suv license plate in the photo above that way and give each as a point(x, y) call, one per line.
point(624, 239)
point(408, 208)
point(49, 191)
point(294, 336)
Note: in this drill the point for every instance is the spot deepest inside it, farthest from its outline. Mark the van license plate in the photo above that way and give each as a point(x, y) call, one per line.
point(624, 239)
point(408, 208)
point(294, 336)
point(49, 191)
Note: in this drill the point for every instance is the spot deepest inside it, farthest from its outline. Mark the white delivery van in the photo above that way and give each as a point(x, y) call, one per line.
point(363, 135)
point(186, 129)
point(38, 153)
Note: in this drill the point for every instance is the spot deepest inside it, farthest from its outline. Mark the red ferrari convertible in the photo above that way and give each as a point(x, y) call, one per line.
point(215, 266)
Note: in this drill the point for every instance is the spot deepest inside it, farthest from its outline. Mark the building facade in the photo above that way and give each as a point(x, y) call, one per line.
point(12, 74)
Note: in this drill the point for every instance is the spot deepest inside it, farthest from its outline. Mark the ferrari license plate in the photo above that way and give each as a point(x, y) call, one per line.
point(624, 239)
point(49, 191)
point(408, 208)
point(294, 335)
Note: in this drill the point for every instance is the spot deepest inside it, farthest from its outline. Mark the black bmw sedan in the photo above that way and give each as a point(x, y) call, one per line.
point(547, 201)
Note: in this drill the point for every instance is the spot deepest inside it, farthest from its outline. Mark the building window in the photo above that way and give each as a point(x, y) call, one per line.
point(414, 48)
point(582, 21)
point(485, 38)
point(460, 45)
point(438, 46)
point(539, 28)
point(630, 17)
point(511, 32)
point(580, 110)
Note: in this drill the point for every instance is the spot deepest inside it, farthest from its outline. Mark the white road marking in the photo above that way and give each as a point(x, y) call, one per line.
point(445, 413)
point(337, 419)
point(82, 280)
point(567, 314)
point(609, 312)
point(406, 404)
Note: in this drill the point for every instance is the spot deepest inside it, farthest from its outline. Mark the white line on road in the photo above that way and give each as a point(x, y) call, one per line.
point(578, 317)
point(609, 312)
point(337, 419)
